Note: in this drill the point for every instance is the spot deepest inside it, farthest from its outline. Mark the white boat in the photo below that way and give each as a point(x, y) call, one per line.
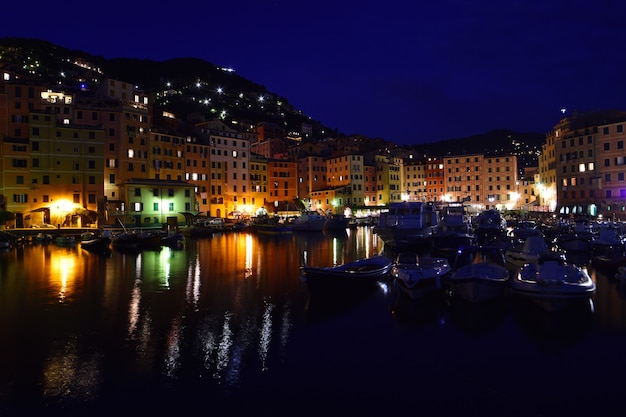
point(360, 272)
point(480, 281)
point(489, 224)
point(418, 276)
point(408, 223)
point(553, 284)
point(529, 252)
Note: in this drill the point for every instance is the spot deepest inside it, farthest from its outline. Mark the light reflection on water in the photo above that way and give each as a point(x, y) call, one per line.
point(230, 312)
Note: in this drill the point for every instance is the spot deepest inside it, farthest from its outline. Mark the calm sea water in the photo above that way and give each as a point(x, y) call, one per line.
point(226, 326)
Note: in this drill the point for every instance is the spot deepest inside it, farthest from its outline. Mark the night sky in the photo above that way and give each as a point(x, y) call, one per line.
point(406, 71)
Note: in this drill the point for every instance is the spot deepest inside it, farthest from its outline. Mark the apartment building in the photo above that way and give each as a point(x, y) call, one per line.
point(546, 175)
point(414, 181)
point(258, 176)
point(434, 172)
point(312, 171)
point(58, 179)
point(589, 154)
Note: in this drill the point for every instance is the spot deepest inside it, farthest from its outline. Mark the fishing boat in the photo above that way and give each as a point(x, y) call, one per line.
point(417, 275)
point(96, 244)
point(407, 224)
point(136, 241)
point(309, 221)
point(478, 281)
point(352, 274)
point(553, 283)
point(265, 225)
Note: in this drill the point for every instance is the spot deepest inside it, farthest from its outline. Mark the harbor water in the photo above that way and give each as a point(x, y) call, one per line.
point(226, 326)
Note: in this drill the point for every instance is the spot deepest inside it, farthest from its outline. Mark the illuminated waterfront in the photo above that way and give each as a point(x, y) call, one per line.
point(227, 324)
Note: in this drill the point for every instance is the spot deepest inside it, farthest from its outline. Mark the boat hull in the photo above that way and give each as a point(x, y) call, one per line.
point(480, 282)
point(553, 285)
point(360, 272)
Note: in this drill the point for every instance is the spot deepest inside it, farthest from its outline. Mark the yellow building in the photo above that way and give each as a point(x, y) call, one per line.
point(229, 163)
point(58, 177)
point(259, 195)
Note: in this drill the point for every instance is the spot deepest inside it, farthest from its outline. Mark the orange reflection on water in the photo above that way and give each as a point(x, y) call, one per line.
point(63, 274)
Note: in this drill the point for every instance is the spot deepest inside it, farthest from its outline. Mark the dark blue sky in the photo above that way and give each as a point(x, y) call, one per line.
point(406, 71)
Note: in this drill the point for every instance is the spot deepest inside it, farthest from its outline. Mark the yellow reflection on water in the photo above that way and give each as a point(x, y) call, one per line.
point(249, 245)
point(63, 274)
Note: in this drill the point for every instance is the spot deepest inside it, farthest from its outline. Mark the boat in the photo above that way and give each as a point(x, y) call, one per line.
point(419, 275)
point(608, 242)
point(97, 244)
point(479, 281)
point(553, 283)
point(575, 238)
point(454, 232)
point(136, 241)
point(356, 273)
point(529, 252)
point(173, 240)
point(309, 221)
point(524, 228)
point(265, 225)
point(336, 222)
point(407, 224)
point(489, 224)
point(65, 240)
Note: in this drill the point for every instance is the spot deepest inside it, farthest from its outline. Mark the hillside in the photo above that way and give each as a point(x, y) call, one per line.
point(196, 90)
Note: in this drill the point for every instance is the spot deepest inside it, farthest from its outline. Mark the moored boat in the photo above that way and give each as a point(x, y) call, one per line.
point(418, 276)
point(533, 247)
point(453, 232)
point(489, 224)
point(356, 273)
point(96, 244)
point(480, 281)
point(553, 284)
point(407, 224)
point(136, 241)
point(309, 222)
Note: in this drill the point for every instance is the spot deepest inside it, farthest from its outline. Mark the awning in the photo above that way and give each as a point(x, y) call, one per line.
point(40, 209)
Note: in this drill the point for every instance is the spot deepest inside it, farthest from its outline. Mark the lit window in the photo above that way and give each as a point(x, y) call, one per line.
point(131, 153)
point(581, 168)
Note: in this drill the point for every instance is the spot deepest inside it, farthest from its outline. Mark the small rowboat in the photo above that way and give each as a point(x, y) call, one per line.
point(362, 271)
